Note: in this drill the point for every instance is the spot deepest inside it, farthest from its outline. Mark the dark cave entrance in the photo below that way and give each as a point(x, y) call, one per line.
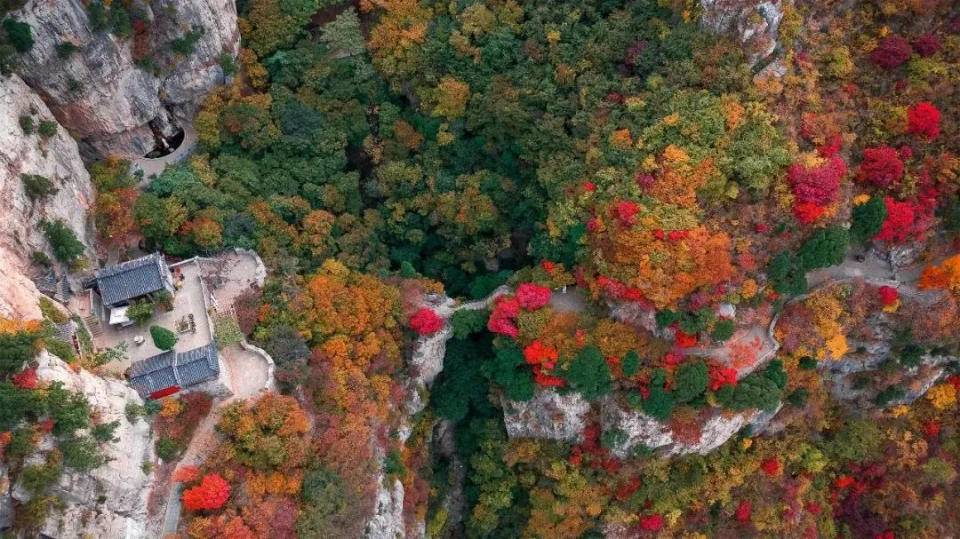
point(166, 145)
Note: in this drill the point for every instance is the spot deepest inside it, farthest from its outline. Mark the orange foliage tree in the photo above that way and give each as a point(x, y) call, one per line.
point(113, 214)
point(663, 266)
point(946, 276)
point(354, 324)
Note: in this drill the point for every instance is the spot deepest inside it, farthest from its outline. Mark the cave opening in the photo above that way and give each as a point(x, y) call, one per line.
point(166, 145)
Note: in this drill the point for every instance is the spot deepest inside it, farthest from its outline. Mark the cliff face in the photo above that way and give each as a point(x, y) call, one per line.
point(55, 158)
point(110, 104)
point(109, 501)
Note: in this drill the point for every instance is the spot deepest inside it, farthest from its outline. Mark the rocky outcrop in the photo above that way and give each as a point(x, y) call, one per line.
point(111, 104)
point(55, 158)
point(755, 24)
point(110, 501)
point(425, 364)
point(639, 431)
point(548, 415)
point(387, 522)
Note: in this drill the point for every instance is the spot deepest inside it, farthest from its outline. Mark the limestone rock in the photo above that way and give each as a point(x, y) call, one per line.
point(56, 158)
point(101, 95)
point(640, 430)
point(755, 24)
point(110, 501)
point(548, 415)
point(387, 521)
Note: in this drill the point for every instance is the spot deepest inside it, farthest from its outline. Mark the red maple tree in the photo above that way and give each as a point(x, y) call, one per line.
point(426, 322)
point(927, 45)
point(923, 119)
point(532, 296)
point(881, 166)
point(891, 52)
point(26, 379)
point(212, 492)
point(817, 185)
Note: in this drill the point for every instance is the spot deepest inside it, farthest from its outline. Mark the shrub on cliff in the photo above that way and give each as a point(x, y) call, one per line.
point(64, 243)
point(509, 370)
point(19, 34)
point(589, 373)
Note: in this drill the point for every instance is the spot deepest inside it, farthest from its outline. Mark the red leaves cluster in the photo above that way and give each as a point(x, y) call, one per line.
point(923, 119)
point(807, 212)
point(931, 429)
point(26, 379)
point(888, 295)
point(881, 166)
point(644, 180)
point(537, 353)
point(771, 466)
point(818, 185)
point(426, 322)
point(927, 45)
point(673, 235)
point(599, 456)
point(543, 358)
point(672, 359)
point(212, 492)
point(722, 376)
point(891, 52)
point(503, 318)
point(844, 481)
point(905, 220)
point(651, 523)
point(529, 296)
point(743, 512)
point(625, 211)
point(615, 289)
point(5, 438)
point(684, 340)
point(532, 296)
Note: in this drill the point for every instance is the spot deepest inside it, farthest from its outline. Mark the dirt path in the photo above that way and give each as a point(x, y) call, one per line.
point(203, 442)
point(570, 299)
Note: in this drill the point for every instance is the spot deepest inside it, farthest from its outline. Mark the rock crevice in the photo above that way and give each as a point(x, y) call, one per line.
point(117, 94)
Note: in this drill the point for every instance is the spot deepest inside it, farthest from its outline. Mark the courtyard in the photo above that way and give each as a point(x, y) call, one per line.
point(187, 319)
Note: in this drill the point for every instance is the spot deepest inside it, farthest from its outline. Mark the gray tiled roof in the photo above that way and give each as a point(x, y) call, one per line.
point(182, 369)
point(131, 279)
point(198, 365)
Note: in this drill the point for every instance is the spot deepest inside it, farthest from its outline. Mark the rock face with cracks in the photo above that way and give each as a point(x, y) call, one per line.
point(109, 501)
point(55, 158)
point(755, 24)
point(120, 95)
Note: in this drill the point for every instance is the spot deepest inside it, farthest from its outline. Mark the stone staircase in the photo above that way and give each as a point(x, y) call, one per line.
point(93, 325)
